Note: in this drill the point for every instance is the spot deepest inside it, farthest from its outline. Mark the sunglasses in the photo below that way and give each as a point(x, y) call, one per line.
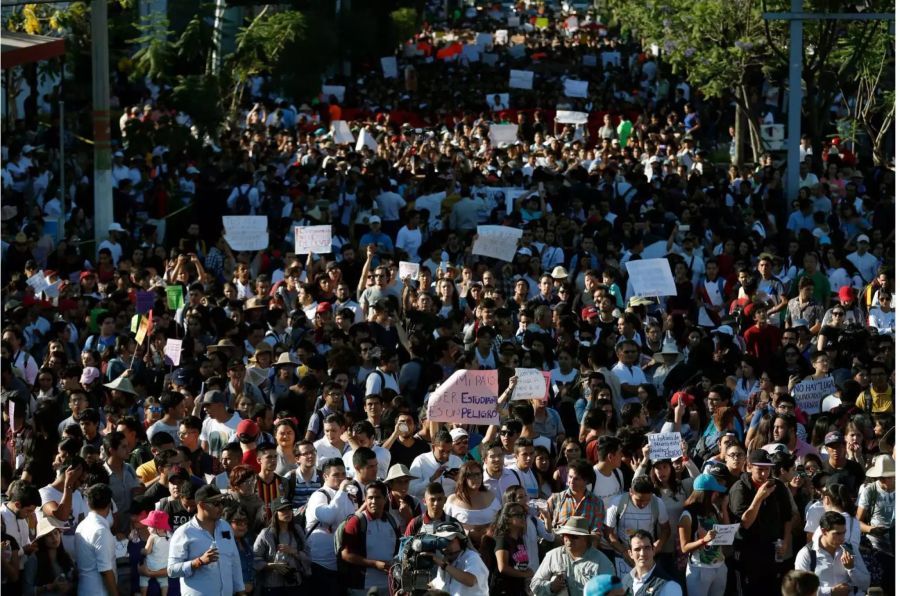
point(507, 433)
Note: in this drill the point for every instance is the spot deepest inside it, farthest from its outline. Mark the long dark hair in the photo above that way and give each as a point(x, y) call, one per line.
point(700, 503)
point(462, 489)
point(45, 574)
point(291, 527)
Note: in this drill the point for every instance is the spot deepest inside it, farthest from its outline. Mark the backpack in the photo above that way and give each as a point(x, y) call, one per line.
point(622, 504)
point(301, 519)
point(340, 536)
point(242, 202)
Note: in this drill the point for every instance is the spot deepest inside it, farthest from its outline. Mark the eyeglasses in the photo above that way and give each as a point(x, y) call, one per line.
point(735, 456)
point(837, 313)
point(507, 433)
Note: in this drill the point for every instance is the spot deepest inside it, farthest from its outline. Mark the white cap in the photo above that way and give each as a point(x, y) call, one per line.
point(114, 227)
point(458, 433)
point(726, 330)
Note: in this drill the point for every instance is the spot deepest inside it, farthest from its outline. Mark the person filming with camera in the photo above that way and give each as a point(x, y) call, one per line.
point(460, 570)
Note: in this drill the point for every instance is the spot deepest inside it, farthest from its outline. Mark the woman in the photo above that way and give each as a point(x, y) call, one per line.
point(473, 505)
point(542, 472)
point(835, 497)
point(535, 529)
point(449, 301)
point(568, 453)
point(747, 384)
point(855, 435)
point(706, 507)
point(285, 437)
point(53, 573)
point(279, 552)
point(668, 487)
point(242, 487)
point(758, 401)
point(511, 568)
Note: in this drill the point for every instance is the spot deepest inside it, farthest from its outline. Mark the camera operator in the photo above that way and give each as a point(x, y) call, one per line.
point(461, 572)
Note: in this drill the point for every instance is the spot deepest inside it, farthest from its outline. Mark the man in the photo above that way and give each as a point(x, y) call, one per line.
point(147, 472)
point(497, 477)
point(800, 583)
point(89, 421)
point(784, 431)
point(762, 506)
point(363, 435)
point(374, 408)
point(461, 572)
point(268, 484)
point(879, 396)
point(639, 509)
point(95, 546)
point(370, 542)
point(238, 386)
point(247, 433)
point(404, 444)
point(170, 467)
point(876, 514)
point(333, 396)
point(385, 375)
point(804, 307)
point(173, 411)
point(521, 469)
point(864, 261)
point(627, 370)
point(647, 577)
point(839, 468)
point(63, 500)
point(219, 424)
point(22, 501)
point(122, 479)
point(331, 445)
point(834, 560)
point(762, 339)
point(439, 465)
point(567, 567)
point(770, 290)
point(203, 553)
point(434, 514)
point(301, 482)
point(202, 463)
point(231, 457)
point(610, 480)
point(325, 510)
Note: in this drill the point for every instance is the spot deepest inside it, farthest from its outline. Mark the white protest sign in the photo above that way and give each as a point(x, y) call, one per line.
point(340, 132)
point(511, 194)
point(572, 23)
point(471, 53)
point(52, 290)
point(521, 79)
point(389, 67)
point(531, 383)
point(501, 37)
point(725, 534)
point(483, 40)
point(499, 242)
point(664, 445)
point(336, 90)
point(504, 133)
point(38, 282)
point(365, 139)
point(467, 397)
point(611, 59)
point(809, 394)
point(173, 350)
point(312, 239)
point(651, 277)
point(408, 269)
point(569, 117)
point(575, 88)
point(246, 232)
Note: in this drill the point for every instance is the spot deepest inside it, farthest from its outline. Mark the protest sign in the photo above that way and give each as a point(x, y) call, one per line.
point(408, 269)
point(175, 297)
point(501, 37)
point(336, 90)
point(611, 59)
point(52, 291)
point(389, 67)
point(340, 132)
point(572, 23)
point(809, 394)
point(144, 302)
point(651, 277)
point(575, 88)
point(499, 242)
point(521, 79)
point(38, 282)
point(483, 40)
point(143, 329)
point(471, 53)
point(504, 133)
point(173, 351)
point(725, 534)
point(246, 232)
point(568, 117)
point(312, 239)
point(542, 22)
point(511, 194)
point(492, 101)
point(365, 139)
point(664, 445)
point(530, 384)
point(467, 397)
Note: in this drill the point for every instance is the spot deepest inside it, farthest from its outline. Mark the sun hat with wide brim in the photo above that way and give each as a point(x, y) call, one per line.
point(285, 359)
point(882, 467)
point(886, 444)
point(158, 520)
point(122, 384)
point(575, 526)
point(669, 348)
point(398, 472)
point(47, 525)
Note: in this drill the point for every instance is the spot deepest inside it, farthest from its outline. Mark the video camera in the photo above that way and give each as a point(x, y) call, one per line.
point(416, 567)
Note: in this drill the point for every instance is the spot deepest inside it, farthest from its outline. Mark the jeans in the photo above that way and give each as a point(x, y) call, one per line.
point(706, 581)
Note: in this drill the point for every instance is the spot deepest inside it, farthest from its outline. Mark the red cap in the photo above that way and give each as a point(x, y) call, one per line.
point(247, 427)
point(589, 311)
point(86, 273)
point(845, 294)
point(686, 397)
point(323, 307)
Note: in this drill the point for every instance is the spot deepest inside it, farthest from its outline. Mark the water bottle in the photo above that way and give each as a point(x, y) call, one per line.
point(778, 544)
point(214, 546)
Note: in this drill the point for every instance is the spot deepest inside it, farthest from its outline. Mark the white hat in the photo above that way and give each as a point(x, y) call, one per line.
point(192, 170)
point(115, 227)
point(862, 238)
point(559, 272)
point(725, 330)
point(397, 472)
point(882, 467)
point(458, 433)
point(47, 525)
point(831, 402)
point(374, 219)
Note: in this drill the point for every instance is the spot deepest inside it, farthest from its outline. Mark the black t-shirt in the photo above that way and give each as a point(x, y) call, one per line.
point(401, 454)
point(775, 511)
point(178, 515)
point(850, 475)
point(518, 559)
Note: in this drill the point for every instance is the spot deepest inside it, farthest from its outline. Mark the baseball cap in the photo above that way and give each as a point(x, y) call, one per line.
point(248, 428)
point(759, 457)
point(214, 397)
point(601, 585)
point(281, 504)
point(323, 307)
point(708, 482)
point(716, 469)
point(589, 311)
point(845, 294)
point(686, 397)
point(208, 493)
point(862, 238)
point(833, 438)
point(89, 375)
point(374, 219)
point(458, 433)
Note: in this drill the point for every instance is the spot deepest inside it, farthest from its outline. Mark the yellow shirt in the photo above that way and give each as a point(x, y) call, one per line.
point(881, 402)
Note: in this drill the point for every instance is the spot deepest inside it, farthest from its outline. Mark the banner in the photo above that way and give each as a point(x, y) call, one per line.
point(651, 277)
point(467, 397)
point(246, 232)
point(665, 445)
point(340, 132)
point(810, 393)
point(389, 67)
point(574, 88)
point(312, 239)
point(521, 79)
point(499, 242)
point(504, 133)
point(567, 117)
point(408, 269)
point(531, 383)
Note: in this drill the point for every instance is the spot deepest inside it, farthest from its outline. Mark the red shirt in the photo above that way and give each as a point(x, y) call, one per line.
point(762, 342)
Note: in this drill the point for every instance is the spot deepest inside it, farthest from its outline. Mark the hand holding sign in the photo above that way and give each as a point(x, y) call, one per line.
point(312, 239)
point(725, 534)
point(407, 269)
point(664, 446)
point(173, 351)
point(467, 397)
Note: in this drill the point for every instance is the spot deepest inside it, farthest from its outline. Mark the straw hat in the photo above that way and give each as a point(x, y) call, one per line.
point(882, 467)
point(285, 359)
point(47, 525)
point(122, 384)
point(575, 526)
point(669, 347)
point(223, 344)
point(398, 472)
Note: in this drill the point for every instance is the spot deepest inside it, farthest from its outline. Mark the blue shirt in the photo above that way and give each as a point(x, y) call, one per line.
point(223, 577)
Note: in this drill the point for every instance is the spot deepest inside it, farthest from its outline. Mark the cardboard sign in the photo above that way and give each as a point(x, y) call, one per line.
point(499, 242)
point(572, 23)
point(144, 302)
point(336, 90)
point(725, 534)
point(408, 269)
point(569, 117)
point(389, 67)
point(575, 88)
point(312, 239)
point(521, 79)
point(340, 132)
point(467, 397)
point(665, 445)
point(38, 282)
point(365, 139)
point(531, 383)
point(810, 393)
point(246, 232)
point(175, 297)
point(491, 99)
point(501, 37)
point(173, 351)
point(651, 277)
point(504, 133)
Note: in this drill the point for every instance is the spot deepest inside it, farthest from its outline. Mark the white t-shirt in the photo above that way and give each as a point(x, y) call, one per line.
point(381, 454)
point(814, 514)
point(80, 510)
point(216, 433)
point(634, 518)
point(608, 487)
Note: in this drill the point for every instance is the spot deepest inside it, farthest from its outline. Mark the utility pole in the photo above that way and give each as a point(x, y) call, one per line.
point(795, 98)
point(103, 201)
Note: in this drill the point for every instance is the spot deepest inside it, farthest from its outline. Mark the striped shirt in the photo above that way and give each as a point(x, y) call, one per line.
point(269, 491)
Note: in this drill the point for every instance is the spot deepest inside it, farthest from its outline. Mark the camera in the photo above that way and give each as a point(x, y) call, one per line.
point(416, 567)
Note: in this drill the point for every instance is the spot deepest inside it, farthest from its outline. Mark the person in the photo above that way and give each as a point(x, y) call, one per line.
point(568, 567)
point(370, 541)
point(326, 508)
point(461, 572)
point(639, 509)
point(203, 554)
point(510, 570)
point(434, 513)
point(52, 570)
point(22, 501)
point(647, 577)
point(156, 549)
point(402, 506)
point(604, 585)
point(239, 521)
point(472, 504)
point(835, 561)
point(280, 552)
point(876, 514)
point(706, 507)
point(304, 480)
point(800, 583)
point(838, 466)
point(578, 498)
point(95, 549)
point(439, 465)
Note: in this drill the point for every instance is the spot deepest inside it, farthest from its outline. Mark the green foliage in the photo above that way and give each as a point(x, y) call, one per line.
point(199, 96)
point(405, 23)
point(153, 57)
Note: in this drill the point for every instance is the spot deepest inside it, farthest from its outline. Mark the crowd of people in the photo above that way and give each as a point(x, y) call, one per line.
point(285, 442)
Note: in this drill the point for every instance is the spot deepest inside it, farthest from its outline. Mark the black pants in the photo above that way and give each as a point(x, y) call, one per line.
point(322, 582)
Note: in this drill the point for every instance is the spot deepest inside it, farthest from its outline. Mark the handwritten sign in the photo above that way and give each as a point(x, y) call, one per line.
point(725, 534)
point(575, 88)
point(521, 79)
point(173, 351)
point(336, 90)
point(504, 134)
point(340, 132)
point(408, 269)
point(664, 445)
point(467, 397)
point(38, 282)
point(499, 242)
point(651, 277)
point(389, 67)
point(809, 394)
point(312, 239)
point(569, 117)
point(144, 301)
point(175, 297)
point(531, 383)
point(52, 290)
point(246, 232)
point(501, 37)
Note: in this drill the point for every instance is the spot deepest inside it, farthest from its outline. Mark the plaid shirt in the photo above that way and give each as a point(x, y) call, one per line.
point(562, 506)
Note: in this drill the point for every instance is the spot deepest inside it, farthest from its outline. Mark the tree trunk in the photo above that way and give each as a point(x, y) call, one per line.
point(739, 131)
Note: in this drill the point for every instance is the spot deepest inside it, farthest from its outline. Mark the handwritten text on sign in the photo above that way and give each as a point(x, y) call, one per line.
point(173, 351)
point(664, 445)
point(808, 394)
point(724, 534)
point(531, 383)
point(315, 239)
point(246, 232)
point(467, 397)
point(651, 277)
point(499, 242)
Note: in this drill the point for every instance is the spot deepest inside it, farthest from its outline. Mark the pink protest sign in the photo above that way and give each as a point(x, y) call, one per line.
point(467, 397)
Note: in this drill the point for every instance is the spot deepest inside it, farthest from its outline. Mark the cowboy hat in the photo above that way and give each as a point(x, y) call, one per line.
point(397, 472)
point(882, 467)
point(670, 348)
point(221, 345)
point(575, 526)
point(285, 359)
point(123, 384)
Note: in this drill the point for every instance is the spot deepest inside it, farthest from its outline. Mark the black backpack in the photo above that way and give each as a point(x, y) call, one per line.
point(242, 202)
